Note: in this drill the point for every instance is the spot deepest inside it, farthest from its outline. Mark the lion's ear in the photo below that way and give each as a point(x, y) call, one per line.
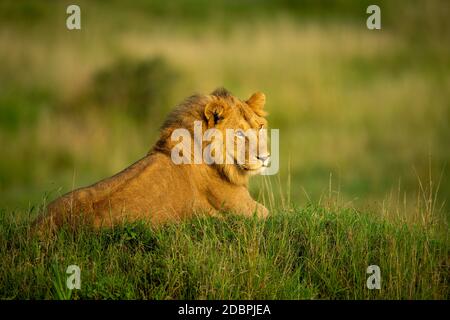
point(214, 112)
point(257, 102)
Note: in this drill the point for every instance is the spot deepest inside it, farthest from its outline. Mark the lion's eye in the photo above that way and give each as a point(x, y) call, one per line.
point(240, 133)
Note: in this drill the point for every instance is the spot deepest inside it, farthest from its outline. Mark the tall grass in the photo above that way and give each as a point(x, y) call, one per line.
point(308, 253)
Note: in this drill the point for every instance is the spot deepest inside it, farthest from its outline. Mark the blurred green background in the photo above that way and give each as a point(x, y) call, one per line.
point(362, 114)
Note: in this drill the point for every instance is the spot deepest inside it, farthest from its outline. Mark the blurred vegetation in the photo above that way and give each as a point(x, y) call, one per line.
point(363, 114)
point(137, 88)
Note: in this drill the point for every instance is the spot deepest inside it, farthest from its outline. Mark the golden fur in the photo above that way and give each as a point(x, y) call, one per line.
point(156, 189)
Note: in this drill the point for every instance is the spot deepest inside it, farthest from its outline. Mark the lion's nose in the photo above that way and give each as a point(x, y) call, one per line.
point(265, 159)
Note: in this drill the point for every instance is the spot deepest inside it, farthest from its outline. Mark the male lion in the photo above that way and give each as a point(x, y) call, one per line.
point(157, 189)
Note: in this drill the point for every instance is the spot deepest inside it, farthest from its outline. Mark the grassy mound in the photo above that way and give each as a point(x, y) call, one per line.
point(309, 253)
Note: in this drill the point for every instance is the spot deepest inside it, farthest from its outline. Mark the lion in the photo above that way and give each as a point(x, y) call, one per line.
point(156, 189)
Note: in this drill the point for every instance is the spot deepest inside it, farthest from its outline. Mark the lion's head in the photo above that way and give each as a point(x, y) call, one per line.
point(233, 131)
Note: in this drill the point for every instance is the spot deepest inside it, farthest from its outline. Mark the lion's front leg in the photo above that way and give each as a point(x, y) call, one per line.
point(261, 210)
point(247, 207)
point(253, 207)
point(237, 200)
